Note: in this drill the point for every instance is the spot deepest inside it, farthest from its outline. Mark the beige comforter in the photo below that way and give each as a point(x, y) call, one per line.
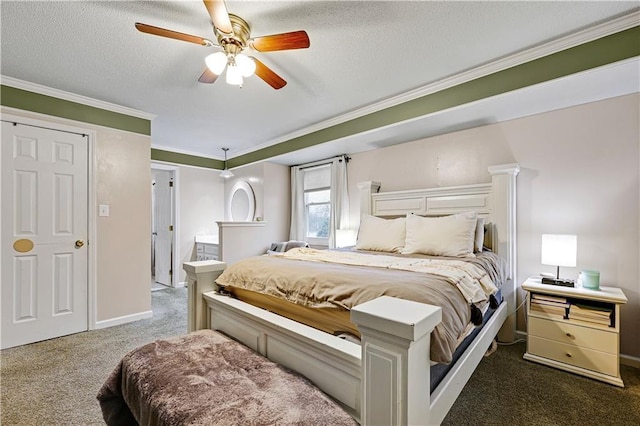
point(319, 283)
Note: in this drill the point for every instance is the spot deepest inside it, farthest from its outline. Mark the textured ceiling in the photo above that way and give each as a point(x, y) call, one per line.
point(361, 53)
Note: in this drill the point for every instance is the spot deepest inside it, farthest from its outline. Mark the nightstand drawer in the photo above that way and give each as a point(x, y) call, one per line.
point(589, 359)
point(564, 332)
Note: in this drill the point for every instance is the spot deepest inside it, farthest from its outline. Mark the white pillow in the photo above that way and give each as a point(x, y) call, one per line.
point(479, 238)
point(441, 236)
point(379, 234)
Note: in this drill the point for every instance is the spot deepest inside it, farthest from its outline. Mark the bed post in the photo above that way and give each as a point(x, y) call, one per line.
point(366, 189)
point(395, 335)
point(503, 180)
point(201, 277)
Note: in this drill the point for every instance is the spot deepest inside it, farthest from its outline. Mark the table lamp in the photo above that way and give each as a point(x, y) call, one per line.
point(559, 250)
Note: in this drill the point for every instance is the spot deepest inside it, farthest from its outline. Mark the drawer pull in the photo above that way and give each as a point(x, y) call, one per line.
point(568, 355)
point(570, 336)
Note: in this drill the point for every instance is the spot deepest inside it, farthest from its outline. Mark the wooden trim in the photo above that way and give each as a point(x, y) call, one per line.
point(79, 99)
point(480, 83)
point(48, 105)
point(229, 224)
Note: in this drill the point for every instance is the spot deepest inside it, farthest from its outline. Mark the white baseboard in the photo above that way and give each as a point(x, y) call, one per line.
point(630, 361)
point(123, 320)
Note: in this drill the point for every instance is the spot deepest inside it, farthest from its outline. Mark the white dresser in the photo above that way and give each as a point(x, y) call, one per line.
point(582, 347)
point(206, 247)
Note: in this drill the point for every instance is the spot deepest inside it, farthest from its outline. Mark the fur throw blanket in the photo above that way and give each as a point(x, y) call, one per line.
point(205, 378)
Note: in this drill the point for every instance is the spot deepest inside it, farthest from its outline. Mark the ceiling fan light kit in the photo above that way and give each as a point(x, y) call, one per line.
point(216, 62)
point(238, 66)
point(234, 35)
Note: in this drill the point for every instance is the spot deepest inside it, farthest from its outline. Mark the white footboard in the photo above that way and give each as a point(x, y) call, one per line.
point(391, 386)
point(331, 363)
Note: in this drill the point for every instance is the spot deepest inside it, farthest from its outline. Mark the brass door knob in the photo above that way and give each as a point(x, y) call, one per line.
point(79, 243)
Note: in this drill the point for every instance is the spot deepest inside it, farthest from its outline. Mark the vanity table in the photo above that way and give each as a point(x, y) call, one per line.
point(207, 247)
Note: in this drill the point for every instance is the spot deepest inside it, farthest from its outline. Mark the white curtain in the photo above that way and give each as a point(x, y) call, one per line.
point(339, 213)
point(339, 219)
point(297, 230)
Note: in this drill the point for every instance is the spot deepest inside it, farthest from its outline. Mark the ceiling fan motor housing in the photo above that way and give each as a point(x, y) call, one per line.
point(238, 41)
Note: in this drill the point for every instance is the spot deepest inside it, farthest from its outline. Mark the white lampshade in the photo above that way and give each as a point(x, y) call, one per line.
point(216, 62)
point(234, 76)
point(226, 173)
point(559, 250)
point(246, 64)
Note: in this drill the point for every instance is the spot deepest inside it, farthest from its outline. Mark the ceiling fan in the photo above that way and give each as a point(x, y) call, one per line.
point(234, 35)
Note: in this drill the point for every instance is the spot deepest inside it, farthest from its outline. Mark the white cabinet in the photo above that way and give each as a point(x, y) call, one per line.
point(558, 338)
point(206, 248)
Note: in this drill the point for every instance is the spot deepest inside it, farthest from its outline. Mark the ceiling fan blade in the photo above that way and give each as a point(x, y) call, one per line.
point(207, 77)
point(267, 74)
point(150, 29)
point(219, 16)
point(284, 41)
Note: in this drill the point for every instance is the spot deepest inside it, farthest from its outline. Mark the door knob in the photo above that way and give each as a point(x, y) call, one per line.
point(79, 243)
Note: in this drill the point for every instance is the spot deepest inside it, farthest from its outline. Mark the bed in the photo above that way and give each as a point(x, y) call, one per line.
point(386, 378)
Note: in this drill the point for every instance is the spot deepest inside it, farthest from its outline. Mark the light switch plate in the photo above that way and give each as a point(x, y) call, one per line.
point(104, 210)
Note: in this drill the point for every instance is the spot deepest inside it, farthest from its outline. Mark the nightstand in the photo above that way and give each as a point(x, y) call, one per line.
point(575, 329)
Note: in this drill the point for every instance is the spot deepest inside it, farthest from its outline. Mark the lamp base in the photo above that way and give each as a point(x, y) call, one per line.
point(558, 281)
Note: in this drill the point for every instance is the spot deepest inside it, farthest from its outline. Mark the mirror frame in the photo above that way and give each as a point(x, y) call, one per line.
point(246, 188)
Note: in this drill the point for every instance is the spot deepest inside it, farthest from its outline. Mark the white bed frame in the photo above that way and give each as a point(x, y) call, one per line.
point(385, 380)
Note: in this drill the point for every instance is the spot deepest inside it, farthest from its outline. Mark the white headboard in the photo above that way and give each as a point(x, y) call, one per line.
point(495, 201)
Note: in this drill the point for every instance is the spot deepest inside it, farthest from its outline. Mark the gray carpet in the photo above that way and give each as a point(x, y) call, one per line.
point(537, 395)
point(56, 382)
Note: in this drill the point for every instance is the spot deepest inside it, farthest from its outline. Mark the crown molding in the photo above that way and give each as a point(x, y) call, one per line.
point(185, 152)
point(572, 40)
point(63, 121)
point(72, 97)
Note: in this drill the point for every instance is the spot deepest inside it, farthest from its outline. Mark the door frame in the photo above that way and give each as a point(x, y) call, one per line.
point(175, 212)
point(54, 123)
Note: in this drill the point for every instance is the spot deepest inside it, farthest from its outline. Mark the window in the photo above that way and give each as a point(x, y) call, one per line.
point(317, 203)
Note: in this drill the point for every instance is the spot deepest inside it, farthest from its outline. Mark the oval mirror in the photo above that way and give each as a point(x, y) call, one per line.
point(241, 206)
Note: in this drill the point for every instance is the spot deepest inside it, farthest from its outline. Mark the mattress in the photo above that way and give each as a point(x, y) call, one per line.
point(320, 294)
point(439, 371)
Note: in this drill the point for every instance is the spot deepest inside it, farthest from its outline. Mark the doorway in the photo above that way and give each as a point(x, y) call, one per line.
point(163, 230)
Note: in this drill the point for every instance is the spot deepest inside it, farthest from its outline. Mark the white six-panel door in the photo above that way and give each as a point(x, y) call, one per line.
point(44, 234)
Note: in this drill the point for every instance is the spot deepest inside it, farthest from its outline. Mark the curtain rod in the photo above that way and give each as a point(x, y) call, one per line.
point(324, 161)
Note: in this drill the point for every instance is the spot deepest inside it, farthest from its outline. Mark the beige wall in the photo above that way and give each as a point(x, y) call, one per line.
point(270, 184)
point(580, 175)
point(201, 193)
point(277, 201)
point(253, 174)
point(123, 254)
point(122, 180)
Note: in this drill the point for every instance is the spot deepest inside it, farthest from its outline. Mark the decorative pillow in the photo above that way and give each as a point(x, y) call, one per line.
point(286, 246)
point(379, 234)
point(441, 236)
point(479, 238)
